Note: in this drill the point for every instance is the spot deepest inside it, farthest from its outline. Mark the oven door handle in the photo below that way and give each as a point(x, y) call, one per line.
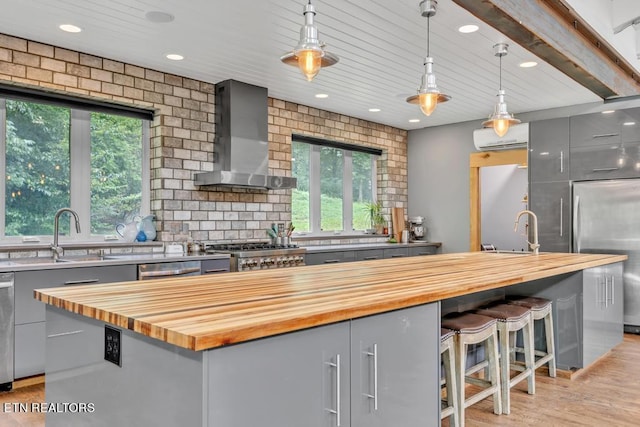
point(167, 273)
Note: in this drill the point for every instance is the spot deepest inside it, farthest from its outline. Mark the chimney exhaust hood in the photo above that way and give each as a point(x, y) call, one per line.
point(241, 148)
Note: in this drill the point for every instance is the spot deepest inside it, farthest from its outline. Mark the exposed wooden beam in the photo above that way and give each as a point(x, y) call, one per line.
point(553, 31)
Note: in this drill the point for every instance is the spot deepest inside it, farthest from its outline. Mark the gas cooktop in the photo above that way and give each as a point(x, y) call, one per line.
point(247, 246)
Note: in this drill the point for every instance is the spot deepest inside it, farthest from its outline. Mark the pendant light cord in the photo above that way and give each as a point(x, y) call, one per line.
point(500, 72)
point(428, 19)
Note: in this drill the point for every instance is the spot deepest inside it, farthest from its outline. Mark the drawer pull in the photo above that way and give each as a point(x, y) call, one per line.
point(81, 282)
point(331, 261)
point(605, 169)
point(64, 334)
point(166, 273)
point(370, 257)
point(215, 270)
point(605, 135)
point(397, 256)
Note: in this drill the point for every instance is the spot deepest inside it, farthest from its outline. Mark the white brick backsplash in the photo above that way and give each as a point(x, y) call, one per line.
point(183, 132)
point(231, 216)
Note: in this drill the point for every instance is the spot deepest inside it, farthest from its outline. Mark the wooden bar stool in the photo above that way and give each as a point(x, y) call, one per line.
point(541, 309)
point(511, 319)
point(447, 354)
point(473, 328)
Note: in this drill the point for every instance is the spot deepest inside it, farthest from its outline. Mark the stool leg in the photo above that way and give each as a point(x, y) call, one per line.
point(505, 373)
point(461, 360)
point(492, 355)
point(452, 390)
point(529, 357)
point(548, 331)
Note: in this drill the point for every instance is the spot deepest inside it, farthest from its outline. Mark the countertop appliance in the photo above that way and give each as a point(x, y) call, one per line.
point(416, 228)
point(605, 220)
point(7, 319)
point(259, 255)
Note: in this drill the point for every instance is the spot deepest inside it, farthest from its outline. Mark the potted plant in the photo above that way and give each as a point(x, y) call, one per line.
point(374, 212)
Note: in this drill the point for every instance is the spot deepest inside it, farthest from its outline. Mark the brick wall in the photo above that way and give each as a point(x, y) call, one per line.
point(182, 135)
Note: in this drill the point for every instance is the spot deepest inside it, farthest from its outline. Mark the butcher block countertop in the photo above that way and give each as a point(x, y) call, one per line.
point(205, 312)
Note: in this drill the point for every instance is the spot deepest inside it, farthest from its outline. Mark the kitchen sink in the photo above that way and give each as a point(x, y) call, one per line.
point(34, 260)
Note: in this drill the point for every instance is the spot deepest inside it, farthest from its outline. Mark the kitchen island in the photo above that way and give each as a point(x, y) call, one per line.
point(351, 345)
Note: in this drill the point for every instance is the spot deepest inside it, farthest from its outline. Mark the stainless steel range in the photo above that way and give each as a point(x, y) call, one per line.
point(259, 255)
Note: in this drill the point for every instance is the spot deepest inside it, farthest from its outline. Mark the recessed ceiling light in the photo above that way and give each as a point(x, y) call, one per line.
point(608, 111)
point(70, 28)
point(374, 110)
point(321, 95)
point(629, 123)
point(158, 17)
point(466, 29)
point(175, 57)
point(528, 64)
point(414, 120)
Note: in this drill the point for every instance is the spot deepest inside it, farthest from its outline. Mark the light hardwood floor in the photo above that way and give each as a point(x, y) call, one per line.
point(607, 394)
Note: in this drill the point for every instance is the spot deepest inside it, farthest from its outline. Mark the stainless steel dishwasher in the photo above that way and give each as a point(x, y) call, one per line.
point(168, 269)
point(7, 318)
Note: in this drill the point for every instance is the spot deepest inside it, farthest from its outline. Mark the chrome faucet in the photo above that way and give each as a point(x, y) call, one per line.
point(533, 245)
point(56, 250)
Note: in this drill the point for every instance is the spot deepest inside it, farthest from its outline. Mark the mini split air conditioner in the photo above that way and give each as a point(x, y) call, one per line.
point(487, 139)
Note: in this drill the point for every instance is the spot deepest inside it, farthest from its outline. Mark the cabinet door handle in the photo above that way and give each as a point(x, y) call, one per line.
point(64, 334)
point(215, 270)
point(605, 135)
point(611, 293)
point(374, 396)
point(337, 410)
point(367, 258)
point(561, 216)
point(424, 253)
point(604, 169)
point(80, 282)
point(561, 161)
point(397, 256)
point(331, 261)
point(606, 291)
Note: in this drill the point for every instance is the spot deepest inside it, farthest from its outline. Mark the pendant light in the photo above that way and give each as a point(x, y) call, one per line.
point(309, 54)
point(428, 96)
point(500, 120)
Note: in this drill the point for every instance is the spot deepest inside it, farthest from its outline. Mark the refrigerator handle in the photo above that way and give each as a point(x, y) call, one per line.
point(576, 225)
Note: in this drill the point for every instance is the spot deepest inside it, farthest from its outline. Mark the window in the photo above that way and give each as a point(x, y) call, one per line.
point(54, 156)
point(336, 181)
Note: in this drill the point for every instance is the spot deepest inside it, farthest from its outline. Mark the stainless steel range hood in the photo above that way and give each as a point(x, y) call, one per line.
point(241, 149)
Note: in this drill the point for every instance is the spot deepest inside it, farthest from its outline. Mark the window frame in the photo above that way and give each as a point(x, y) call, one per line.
point(80, 166)
point(315, 147)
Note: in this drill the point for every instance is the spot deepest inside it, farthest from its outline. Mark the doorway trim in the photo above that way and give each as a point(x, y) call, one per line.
point(476, 161)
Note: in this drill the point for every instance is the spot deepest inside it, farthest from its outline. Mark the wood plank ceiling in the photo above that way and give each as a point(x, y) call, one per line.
point(381, 45)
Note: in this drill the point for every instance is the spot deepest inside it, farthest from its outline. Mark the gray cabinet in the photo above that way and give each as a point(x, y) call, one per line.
point(215, 266)
point(314, 258)
point(422, 250)
point(396, 252)
point(551, 201)
point(294, 379)
point(608, 161)
point(549, 150)
point(369, 254)
point(327, 376)
point(30, 314)
point(605, 146)
point(603, 310)
point(394, 372)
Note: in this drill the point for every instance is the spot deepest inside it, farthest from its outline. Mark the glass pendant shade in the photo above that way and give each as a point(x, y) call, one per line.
point(309, 62)
point(428, 102)
point(309, 54)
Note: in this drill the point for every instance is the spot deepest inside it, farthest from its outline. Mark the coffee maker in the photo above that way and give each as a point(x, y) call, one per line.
point(416, 228)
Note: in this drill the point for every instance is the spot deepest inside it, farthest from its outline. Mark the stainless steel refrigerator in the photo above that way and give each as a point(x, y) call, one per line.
point(606, 219)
